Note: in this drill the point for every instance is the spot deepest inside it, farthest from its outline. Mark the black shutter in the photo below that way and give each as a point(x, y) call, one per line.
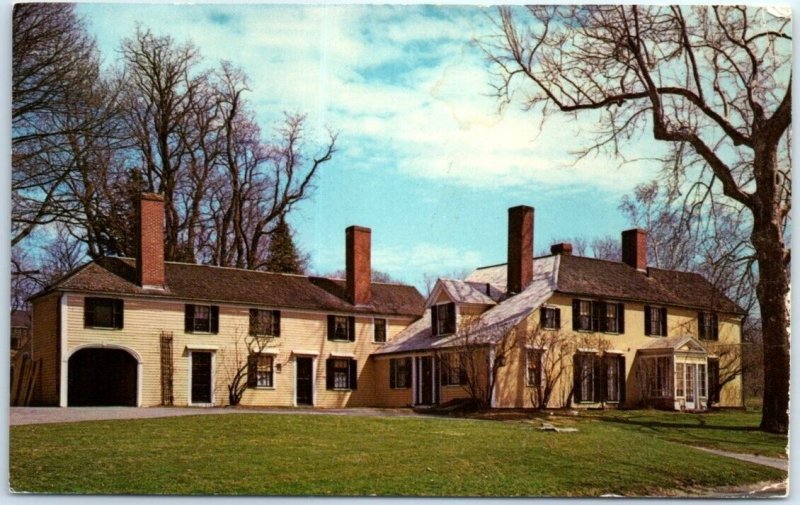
point(647, 320)
point(621, 317)
point(599, 375)
point(331, 327)
point(576, 311)
point(392, 373)
point(434, 321)
point(701, 326)
point(576, 374)
point(451, 318)
point(253, 327)
point(188, 320)
point(329, 372)
point(119, 311)
point(251, 371)
point(664, 321)
point(558, 318)
point(88, 312)
point(601, 316)
point(440, 367)
point(462, 372)
point(351, 329)
point(353, 374)
point(715, 327)
point(213, 314)
point(621, 375)
point(276, 323)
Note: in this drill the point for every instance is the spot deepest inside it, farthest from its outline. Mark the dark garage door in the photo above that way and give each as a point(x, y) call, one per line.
point(101, 377)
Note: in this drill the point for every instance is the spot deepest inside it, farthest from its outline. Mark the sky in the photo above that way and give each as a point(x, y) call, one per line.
point(425, 157)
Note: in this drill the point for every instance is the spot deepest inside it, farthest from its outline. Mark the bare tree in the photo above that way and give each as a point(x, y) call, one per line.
point(239, 361)
point(713, 82)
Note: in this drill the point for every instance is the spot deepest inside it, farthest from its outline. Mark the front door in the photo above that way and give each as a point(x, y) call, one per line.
point(427, 386)
point(201, 377)
point(305, 385)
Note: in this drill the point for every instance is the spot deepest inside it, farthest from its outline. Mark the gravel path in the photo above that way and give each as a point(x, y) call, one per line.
point(779, 463)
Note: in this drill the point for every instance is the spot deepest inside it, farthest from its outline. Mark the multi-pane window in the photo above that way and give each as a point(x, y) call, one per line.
point(708, 326)
point(265, 323)
point(713, 381)
point(595, 315)
point(584, 377)
point(612, 379)
point(534, 367)
point(701, 380)
point(680, 379)
point(201, 319)
point(400, 373)
point(584, 315)
point(655, 321)
point(342, 328)
point(379, 326)
point(260, 371)
point(551, 318)
point(341, 373)
point(443, 319)
point(103, 313)
point(452, 370)
point(659, 378)
point(611, 317)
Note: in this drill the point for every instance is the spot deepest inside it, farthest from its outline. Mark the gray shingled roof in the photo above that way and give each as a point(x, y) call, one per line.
point(117, 276)
point(468, 292)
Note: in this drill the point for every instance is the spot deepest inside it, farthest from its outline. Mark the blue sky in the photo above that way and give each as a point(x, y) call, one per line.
point(425, 158)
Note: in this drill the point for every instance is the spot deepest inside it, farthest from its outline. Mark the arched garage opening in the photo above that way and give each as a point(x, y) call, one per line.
point(101, 377)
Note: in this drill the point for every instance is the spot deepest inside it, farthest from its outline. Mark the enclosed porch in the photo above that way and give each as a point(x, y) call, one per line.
point(673, 374)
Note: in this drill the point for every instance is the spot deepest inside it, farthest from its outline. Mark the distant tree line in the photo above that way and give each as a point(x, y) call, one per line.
point(88, 139)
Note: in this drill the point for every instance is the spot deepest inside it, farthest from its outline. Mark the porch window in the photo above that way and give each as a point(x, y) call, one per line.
point(534, 367)
point(259, 371)
point(708, 326)
point(443, 319)
point(680, 380)
point(551, 318)
point(452, 370)
point(342, 328)
point(341, 373)
point(658, 377)
point(655, 321)
point(400, 373)
point(701, 378)
point(201, 319)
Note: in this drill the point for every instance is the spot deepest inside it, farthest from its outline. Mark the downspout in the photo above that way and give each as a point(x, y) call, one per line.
point(491, 377)
point(61, 345)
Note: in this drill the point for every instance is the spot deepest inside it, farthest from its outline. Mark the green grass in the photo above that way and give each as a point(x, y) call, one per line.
point(251, 454)
point(733, 430)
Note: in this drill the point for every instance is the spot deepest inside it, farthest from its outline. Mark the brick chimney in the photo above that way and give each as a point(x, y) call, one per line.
point(634, 248)
point(564, 248)
point(520, 248)
point(359, 268)
point(150, 258)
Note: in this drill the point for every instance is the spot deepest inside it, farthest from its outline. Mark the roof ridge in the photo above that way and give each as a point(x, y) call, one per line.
point(506, 262)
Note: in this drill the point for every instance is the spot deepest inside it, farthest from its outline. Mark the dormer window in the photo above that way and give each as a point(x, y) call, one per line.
point(443, 319)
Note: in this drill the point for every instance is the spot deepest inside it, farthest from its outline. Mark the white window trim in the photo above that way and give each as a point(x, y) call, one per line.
point(385, 329)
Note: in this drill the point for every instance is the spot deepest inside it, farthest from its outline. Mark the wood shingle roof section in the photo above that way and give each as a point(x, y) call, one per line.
point(184, 281)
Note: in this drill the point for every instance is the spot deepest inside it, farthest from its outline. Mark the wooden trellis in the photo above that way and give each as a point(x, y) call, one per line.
point(167, 396)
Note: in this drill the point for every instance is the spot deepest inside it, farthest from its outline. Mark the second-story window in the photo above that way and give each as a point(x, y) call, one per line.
point(708, 326)
point(582, 315)
point(551, 318)
point(201, 319)
point(379, 327)
point(103, 313)
point(655, 321)
point(265, 323)
point(443, 319)
point(342, 328)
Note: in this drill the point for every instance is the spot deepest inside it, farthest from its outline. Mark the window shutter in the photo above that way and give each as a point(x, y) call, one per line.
point(88, 312)
point(188, 321)
point(440, 368)
point(621, 317)
point(434, 321)
point(253, 327)
point(351, 328)
point(601, 316)
point(392, 374)
point(663, 321)
point(276, 323)
point(576, 374)
point(647, 320)
point(701, 324)
point(595, 316)
point(451, 318)
point(576, 311)
point(251, 371)
point(119, 312)
point(715, 326)
point(353, 374)
point(558, 318)
point(462, 372)
point(213, 315)
point(599, 379)
point(329, 372)
point(331, 327)
point(621, 375)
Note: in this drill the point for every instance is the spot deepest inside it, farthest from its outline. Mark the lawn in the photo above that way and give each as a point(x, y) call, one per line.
point(256, 454)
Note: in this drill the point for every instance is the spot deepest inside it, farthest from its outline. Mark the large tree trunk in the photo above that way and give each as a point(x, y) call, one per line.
point(772, 291)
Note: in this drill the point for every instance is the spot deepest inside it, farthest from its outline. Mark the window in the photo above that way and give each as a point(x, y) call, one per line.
point(708, 326)
point(201, 319)
point(599, 378)
point(400, 373)
point(584, 377)
point(582, 315)
point(103, 313)
point(443, 319)
point(593, 315)
point(713, 381)
point(342, 328)
point(534, 367)
point(451, 370)
point(341, 373)
point(18, 336)
point(551, 318)
point(680, 379)
point(612, 319)
point(655, 321)
point(701, 380)
point(659, 373)
point(265, 323)
point(259, 371)
point(379, 326)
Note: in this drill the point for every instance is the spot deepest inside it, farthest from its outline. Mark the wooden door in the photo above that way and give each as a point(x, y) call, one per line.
point(305, 383)
point(201, 377)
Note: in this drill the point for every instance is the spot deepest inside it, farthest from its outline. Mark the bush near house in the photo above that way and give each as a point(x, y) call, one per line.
point(276, 454)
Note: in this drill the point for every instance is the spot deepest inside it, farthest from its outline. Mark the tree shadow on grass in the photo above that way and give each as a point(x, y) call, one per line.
point(701, 424)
